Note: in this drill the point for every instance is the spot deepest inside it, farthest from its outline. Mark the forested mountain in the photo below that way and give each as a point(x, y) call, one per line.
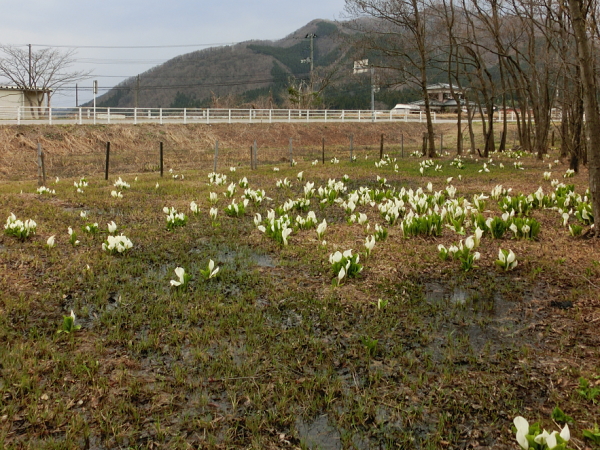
point(253, 74)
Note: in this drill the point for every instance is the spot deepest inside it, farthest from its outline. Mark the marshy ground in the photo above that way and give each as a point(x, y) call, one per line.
point(270, 353)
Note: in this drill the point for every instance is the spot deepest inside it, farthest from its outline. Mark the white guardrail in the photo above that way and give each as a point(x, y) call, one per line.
point(64, 115)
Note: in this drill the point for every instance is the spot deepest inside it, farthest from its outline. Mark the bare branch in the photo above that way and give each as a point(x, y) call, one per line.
point(49, 68)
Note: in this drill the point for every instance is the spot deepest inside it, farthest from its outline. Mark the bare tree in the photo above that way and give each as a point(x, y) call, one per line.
point(310, 94)
point(448, 14)
point(404, 38)
point(582, 13)
point(45, 69)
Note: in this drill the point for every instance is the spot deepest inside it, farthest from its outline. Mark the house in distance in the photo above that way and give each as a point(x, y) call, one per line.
point(440, 98)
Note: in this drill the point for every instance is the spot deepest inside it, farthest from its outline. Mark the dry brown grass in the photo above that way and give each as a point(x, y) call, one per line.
point(73, 150)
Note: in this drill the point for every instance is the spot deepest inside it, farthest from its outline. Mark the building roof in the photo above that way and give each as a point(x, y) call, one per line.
point(405, 106)
point(449, 103)
point(442, 87)
point(26, 89)
point(432, 103)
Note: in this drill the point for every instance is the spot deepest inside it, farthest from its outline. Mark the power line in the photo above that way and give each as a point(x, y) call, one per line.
point(120, 61)
point(183, 86)
point(214, 44)
point(154, 77)
point(132, 46)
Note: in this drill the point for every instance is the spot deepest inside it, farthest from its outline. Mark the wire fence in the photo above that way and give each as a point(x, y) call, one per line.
point(220, 159)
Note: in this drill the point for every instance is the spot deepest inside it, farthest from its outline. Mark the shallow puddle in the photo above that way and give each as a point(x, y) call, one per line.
point(230, 256)
point(436, 293)
point(318, 434)
point(472, 320)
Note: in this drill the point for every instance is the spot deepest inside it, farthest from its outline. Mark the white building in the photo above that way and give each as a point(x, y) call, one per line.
point(405, 108)
point(28, 102)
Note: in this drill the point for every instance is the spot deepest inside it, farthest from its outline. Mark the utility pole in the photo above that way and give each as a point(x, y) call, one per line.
point(95, 89)
point(374, 90)
point(311, 36)
point(372, 94)
point(137, 90)
point(76, 95)
point(30, 77)
point(310, 60)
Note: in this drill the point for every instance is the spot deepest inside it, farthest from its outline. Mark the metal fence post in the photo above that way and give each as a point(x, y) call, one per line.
point(216, 155)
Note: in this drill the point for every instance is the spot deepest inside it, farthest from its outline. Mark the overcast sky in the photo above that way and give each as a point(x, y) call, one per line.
point(149, 23)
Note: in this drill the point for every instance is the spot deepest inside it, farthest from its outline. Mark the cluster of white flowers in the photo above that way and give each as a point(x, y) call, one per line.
point(120, 184)
point(45, 190)
point(345, 265)
point(278, 229)
point(391, 210)
point(256, 196)
point(506, 259)
point(91, 228)
point(82, 183)
point(230, 190)
point(458, 163)
point(285, 183)
point(381, 163)
point(309, 189)
point(211, 271)
point(499, 191)
point(306, 223)
point(236, 209)
point(72, 237)
point(321, 228)
point(369, 244)
point(217, 179)
point(174, 219)
point(112, 227)
point(181, 277)
point(360, 218)
point(117, 244)
point(543, 439)
point(18, 228)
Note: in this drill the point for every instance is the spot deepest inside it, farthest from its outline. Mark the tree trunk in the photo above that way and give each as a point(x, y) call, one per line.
point(502, 145)
point(590, 101)
point(430, 134)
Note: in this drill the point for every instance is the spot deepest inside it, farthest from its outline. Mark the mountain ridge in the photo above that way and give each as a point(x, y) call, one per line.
point(254, 73)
